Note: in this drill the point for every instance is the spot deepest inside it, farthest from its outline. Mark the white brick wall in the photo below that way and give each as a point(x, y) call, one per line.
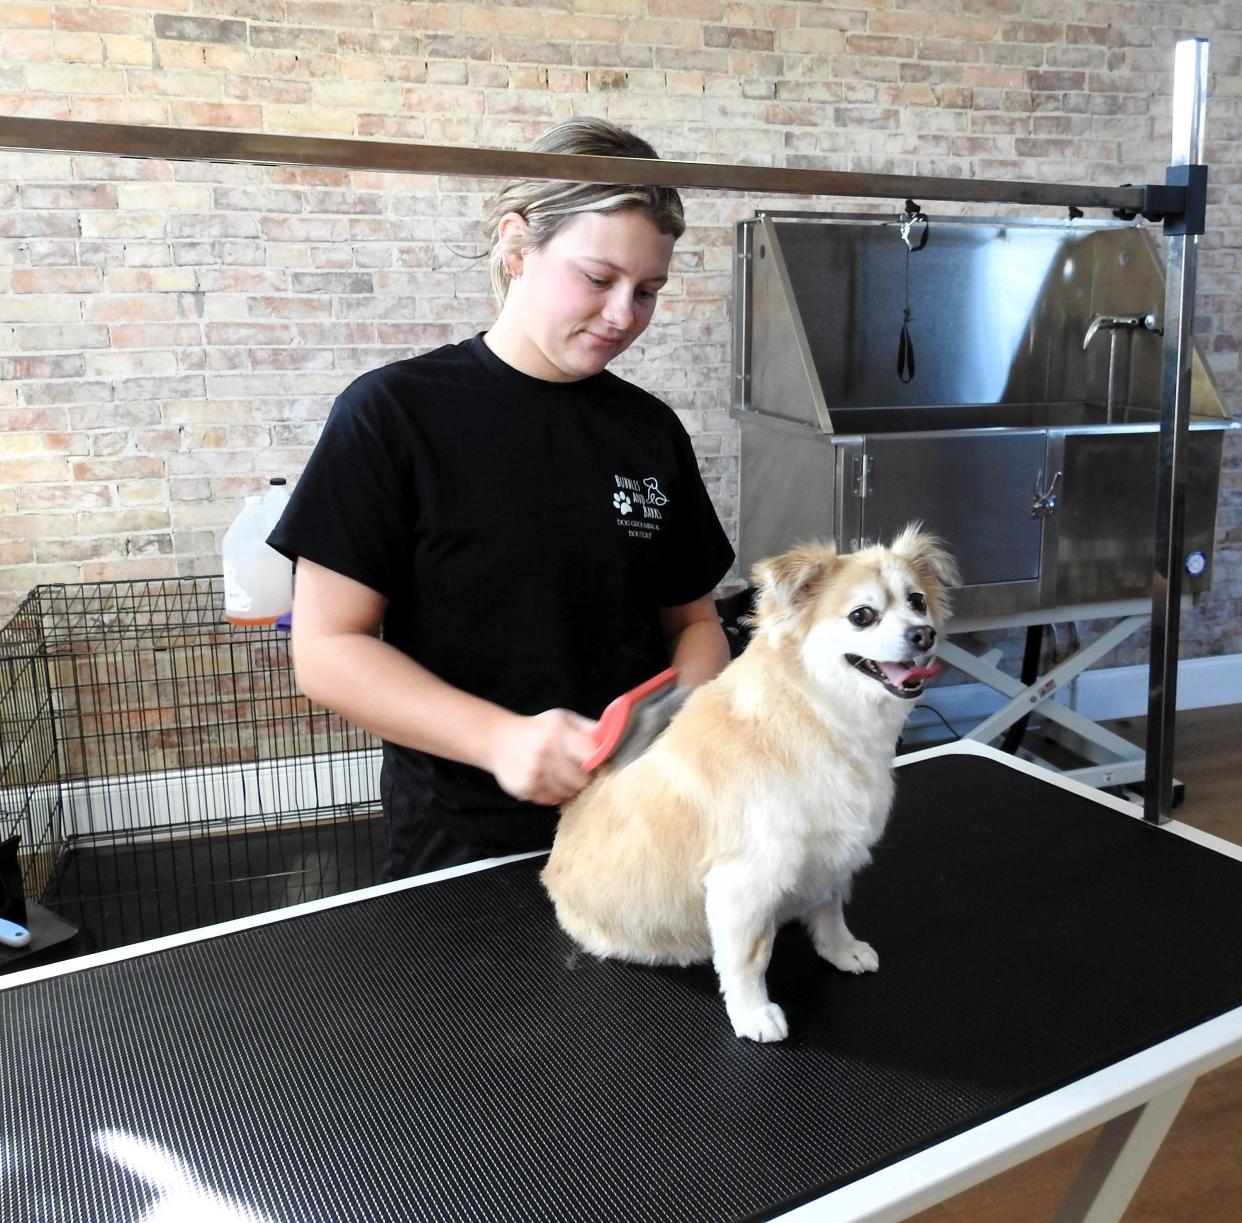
point(171, 334)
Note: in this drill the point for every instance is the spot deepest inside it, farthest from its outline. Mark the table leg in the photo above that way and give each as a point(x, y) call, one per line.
point(1119, 1160)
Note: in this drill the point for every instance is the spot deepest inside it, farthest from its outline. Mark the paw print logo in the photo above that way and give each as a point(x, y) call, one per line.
point(621, 502)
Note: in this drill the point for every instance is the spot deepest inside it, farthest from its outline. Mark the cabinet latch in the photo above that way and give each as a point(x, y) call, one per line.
point(1045, 501)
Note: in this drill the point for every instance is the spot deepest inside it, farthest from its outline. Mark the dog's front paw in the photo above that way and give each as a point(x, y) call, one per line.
point(762, 1023)
point(853, 956)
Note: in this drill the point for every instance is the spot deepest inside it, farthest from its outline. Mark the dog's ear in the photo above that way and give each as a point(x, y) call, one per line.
point(928, 557)
point(787, 582)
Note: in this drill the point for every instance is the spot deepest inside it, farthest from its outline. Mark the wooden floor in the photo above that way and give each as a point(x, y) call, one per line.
point(1197, 1175)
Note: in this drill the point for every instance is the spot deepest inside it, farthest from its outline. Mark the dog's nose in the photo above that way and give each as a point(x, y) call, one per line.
point(922, 637)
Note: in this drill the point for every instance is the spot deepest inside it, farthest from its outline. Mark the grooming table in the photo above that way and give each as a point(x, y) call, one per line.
point(435, 1049)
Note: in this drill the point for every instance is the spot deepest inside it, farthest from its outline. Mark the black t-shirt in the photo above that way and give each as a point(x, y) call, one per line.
point(524, 533)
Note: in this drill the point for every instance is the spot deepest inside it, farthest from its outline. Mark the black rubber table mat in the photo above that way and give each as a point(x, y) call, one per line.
point(440, 1054)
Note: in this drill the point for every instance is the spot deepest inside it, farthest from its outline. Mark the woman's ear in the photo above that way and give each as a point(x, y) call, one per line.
point(513, 234)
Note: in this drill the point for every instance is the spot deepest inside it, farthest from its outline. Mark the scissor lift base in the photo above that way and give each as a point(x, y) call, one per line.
point(1113, 762)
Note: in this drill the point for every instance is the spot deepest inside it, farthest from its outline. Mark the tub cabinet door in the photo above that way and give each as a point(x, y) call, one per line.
point(1108, 514)
point(977, 491)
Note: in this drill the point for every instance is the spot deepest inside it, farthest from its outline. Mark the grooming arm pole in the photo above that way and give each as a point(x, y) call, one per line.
point(1189, 104)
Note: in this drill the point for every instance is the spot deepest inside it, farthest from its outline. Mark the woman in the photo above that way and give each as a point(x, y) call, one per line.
point(496, 538)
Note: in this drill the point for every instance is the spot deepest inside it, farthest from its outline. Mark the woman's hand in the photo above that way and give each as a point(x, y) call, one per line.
point(540, 758)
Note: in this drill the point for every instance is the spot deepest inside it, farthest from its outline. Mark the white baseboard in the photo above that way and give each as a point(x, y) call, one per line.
point(223, 798)
point(1100, 694)
point(1121, 692)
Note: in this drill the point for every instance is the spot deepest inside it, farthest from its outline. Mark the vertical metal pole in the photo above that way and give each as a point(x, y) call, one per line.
point(743, 280)
point(1189, 104)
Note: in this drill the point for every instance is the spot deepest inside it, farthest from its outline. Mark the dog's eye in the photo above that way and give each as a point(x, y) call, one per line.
point(918, 602)
point(863, 617)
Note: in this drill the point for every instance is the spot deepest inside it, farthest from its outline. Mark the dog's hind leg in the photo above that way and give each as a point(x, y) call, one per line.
point(742, 934)
point(833, 940)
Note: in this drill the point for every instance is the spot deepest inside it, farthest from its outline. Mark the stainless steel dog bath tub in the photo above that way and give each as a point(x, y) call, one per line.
point(1027, 436)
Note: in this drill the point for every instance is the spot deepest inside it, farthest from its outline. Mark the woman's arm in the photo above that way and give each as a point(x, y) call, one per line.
point(341, 663)
point(697, 645)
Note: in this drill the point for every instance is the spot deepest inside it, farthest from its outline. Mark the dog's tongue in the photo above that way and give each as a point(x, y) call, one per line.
point(897, 673)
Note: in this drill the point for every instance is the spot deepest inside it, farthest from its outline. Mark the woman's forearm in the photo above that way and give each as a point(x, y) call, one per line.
point(382, 690)
point(700, 653)
point(697, 644)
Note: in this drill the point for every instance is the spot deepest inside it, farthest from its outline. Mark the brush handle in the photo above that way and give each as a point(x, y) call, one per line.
point(613, 721)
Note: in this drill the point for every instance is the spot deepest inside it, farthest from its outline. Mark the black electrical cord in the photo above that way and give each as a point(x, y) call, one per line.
point(947, 724)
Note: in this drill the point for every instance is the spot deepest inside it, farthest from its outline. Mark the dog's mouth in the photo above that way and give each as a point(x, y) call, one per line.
point(903, 679)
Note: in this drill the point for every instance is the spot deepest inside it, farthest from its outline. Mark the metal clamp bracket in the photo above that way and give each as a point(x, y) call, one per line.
point(1180, 201)
point(864, 466)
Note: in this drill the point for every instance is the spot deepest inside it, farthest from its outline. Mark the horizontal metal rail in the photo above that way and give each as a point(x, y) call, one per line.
point(190, 144)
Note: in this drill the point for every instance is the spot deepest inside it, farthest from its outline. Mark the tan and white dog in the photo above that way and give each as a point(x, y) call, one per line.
point(763, 797)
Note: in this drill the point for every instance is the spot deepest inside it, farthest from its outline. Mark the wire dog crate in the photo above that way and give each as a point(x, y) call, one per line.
point(161, 770)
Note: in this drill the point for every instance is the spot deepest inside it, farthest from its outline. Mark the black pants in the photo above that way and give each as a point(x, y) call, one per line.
point(415, 845)
point(414, 850)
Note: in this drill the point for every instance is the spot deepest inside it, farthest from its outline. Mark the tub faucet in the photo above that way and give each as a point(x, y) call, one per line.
point(1113, 323)
point(1121, 322)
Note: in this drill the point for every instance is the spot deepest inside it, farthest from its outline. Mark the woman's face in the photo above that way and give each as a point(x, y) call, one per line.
point(583, 297)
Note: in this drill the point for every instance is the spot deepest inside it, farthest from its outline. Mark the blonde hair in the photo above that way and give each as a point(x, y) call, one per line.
point(546, 206)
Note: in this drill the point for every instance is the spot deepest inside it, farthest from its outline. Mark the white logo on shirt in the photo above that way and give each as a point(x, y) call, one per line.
point(643, 499)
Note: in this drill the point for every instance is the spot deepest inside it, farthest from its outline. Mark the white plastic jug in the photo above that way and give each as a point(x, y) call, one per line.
point(275, 500)
point(258, 581)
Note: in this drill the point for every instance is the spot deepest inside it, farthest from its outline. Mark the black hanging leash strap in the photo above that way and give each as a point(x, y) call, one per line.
point(905, 349)
point(912, 216)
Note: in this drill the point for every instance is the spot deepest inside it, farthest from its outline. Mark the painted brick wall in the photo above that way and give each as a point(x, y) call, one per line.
point(172, 334)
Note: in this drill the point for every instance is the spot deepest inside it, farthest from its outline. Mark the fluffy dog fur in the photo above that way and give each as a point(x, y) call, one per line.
point(767, 791)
